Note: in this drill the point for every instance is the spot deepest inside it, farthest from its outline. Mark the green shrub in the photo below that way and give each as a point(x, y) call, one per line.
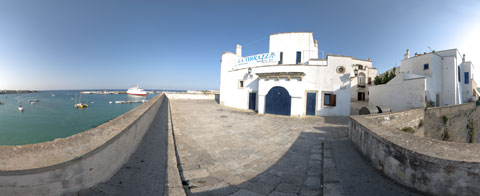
point(471, 131)
point(420, 124)
point(408, 130)
point(384, 78)
point(445, 120)
point(445, 135)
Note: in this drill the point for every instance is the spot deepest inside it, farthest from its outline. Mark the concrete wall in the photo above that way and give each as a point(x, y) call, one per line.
point(406, 94)
point(68, 165)
point(428, 165)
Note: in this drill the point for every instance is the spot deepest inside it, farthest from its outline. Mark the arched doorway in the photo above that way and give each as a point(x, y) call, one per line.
point(278, 101)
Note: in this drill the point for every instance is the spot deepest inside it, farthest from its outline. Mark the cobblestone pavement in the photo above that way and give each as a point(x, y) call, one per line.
point(144, 173)
point(229, 152)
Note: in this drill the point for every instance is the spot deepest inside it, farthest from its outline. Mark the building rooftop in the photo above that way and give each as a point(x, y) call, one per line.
point(339, 55)
point(290, 33)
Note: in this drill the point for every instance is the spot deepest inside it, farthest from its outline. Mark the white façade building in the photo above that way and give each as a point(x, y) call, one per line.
point(363, 80)
point(438, 78)
point(289, 80)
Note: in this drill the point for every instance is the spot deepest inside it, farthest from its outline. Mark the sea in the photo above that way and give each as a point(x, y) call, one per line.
point(55, 116)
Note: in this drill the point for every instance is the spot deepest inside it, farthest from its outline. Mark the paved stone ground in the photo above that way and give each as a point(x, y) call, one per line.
point(229, 152)
point(144, 173)
point(357, 176)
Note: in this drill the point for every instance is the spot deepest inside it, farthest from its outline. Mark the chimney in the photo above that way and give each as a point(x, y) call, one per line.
point(407, 54)
point(369, 59)
point(463, 59)
point(239, 50)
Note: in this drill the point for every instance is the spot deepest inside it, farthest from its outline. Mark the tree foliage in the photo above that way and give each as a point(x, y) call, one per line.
point(383, 79)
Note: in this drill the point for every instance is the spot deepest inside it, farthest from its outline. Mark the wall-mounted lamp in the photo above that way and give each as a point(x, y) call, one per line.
point(355, 72)
point(249, 70)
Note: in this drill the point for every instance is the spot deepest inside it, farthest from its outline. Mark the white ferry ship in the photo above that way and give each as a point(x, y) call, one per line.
point(137, 91)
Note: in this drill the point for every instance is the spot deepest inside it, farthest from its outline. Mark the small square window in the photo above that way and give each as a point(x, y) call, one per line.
point(329, 99)
point(240, 84)
point(425, 66)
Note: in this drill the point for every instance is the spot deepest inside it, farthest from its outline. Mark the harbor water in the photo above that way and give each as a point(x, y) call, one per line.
point(55, 116)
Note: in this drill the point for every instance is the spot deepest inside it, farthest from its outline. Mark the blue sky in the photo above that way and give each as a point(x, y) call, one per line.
point(104, 44)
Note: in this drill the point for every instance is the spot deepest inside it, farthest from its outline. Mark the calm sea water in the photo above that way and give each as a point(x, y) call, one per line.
point(55, 116)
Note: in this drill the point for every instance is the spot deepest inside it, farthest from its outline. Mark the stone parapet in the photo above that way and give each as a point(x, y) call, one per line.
point(68, 165)
point(427, 165)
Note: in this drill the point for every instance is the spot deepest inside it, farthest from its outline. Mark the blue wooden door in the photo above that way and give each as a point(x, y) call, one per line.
point(252, 101)
point(278, 101)
point(311, 103)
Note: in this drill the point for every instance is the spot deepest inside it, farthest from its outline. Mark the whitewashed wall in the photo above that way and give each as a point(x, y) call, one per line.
point(290, 43)
point(400, 94)
point(442, 75)
point(467, 88)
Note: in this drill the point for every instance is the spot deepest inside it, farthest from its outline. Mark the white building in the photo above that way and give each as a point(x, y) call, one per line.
point(290, 79)
point(364, 79)
point(438, 78)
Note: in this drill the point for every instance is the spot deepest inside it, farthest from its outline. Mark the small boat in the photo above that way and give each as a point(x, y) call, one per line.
point(1, 103)
point(110, 102)
point(53, 95)
point(33, 101)
point(136, 90)
point(20, 108)
point(81, 105)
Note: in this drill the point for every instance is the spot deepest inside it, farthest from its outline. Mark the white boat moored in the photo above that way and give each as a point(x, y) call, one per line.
point(136, 90)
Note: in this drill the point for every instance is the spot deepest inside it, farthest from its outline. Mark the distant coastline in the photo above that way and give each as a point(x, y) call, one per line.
point(16, 91)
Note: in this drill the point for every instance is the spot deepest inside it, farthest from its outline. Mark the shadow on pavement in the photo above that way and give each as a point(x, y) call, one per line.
point(145, 171)
point(299, 171)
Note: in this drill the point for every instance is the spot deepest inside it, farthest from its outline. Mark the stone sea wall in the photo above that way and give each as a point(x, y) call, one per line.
point(458, 123)
point(428, 165)
point(68, 165)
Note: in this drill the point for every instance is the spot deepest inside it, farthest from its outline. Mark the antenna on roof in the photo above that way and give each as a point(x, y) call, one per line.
point(431, 50)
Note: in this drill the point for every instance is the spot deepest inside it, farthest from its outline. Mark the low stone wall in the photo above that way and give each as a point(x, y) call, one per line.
point(71, 164)
point(195, 96)
point(428, 165)
point(400, 120)
point(456, 123)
